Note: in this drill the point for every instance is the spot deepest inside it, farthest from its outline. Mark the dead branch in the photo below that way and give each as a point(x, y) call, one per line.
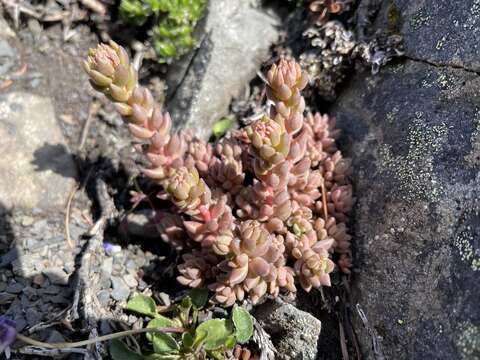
point(85, 288)
point(262, 339)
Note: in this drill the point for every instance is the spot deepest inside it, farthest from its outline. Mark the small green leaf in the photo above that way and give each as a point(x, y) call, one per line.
point(230, 342)
point(120, 351)
point(184, 309)
point(143, 305)
point(217, 333)
point(222, 126)
point(199, 297)
point(162, 342)
point(243, 324)
point(187, 340)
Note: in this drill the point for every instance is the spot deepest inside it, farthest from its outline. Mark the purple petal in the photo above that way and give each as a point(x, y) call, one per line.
point(7, 333)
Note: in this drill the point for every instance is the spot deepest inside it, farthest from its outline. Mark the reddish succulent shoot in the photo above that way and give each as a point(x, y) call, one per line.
point(242, 236)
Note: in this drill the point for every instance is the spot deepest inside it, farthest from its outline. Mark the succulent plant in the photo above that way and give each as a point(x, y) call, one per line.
point(264, 206)
point(174, 23)
point(201, 336)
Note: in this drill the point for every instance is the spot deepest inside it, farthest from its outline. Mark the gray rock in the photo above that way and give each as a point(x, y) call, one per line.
point(33, 316)
point(51, 289)
point(107, 266)
point(453, 41)
point(56, 275)
point(20, 323)
point(103, 297)
point(27, 221)
point(413, 133)
point(15, 288)
point(294, 332)
point(130, 280)
point(120, 289)
point(6, 298)
point(59, 299)
point(55, 337)
point(236, 39)
point(8, 56)
point(5, 31)
point(37, 169)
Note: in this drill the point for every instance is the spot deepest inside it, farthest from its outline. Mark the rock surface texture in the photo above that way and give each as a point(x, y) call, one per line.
point(294, 332)
point(37, 169)
point(235, 39)
point(413, 132)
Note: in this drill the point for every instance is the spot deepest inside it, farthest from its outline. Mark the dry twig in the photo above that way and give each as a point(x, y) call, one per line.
point(377, 349)
point(83, 284)
point(262, 339)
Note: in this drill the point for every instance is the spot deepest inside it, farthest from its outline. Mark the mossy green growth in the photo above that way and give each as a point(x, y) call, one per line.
point(174, 23)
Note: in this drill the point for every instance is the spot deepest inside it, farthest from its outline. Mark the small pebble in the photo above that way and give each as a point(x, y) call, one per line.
point(33, 316)
point(27, 221)
point(51, 289)
point(6, 298)
point(130, 280)
point(15, 288)
point(56, 275)
point(39, 280)
point(103, 297)
point(120, 289)
point(55, 337)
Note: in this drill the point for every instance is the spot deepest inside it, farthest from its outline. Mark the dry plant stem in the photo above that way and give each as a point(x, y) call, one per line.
point(343, 342)
point(95, 6)
point(117, 335)
point(86, 126)
point(50, 353)
point(262, 339)
point(67, 216)
point(83, 284)
point(377, 349)
point(55, 319)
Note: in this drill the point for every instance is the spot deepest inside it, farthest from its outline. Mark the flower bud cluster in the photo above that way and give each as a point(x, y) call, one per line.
point(264, 206)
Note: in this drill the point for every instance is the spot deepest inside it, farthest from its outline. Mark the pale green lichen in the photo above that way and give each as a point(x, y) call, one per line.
point(441, 43)
point(473, 158)
point(444, 81)
point(471, 23)
point(415, 170)
point(468, 342)
point(463, 243)
point(419, 19)
point(392, 114)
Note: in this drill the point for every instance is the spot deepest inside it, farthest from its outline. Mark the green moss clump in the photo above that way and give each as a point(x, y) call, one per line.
point(174, 22)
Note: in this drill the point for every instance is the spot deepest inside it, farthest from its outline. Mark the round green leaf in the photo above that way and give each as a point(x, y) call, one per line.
point(243, 324)
point(215, 332)
point(199, 297)
point(120, 351)
point(143, 305)
point(162, 342)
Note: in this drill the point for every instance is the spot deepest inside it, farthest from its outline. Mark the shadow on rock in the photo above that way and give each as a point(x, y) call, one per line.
point(56, 158)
